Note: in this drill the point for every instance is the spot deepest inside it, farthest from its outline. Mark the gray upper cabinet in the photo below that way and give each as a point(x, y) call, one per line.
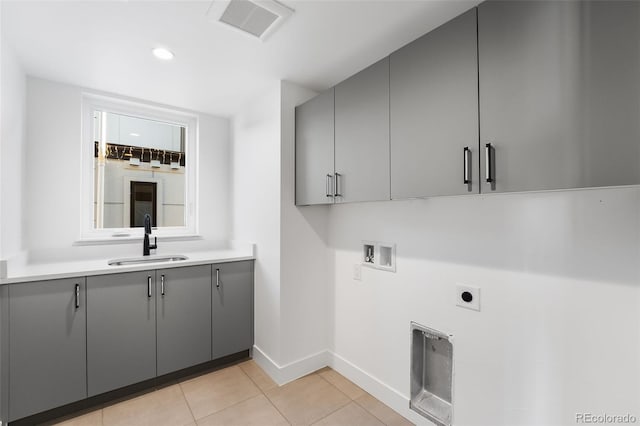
point(232, 308)
point(559, 103)
point(121, 330)
point(362, 135)
point(314, 150)
point(434, 112)
point(47, 344)
point(183, 301)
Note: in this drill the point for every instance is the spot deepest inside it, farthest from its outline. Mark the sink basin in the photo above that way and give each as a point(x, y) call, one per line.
point(146, 259)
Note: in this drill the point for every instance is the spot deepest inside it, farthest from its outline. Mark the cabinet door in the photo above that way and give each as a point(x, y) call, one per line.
point(559, 99)
point(232, 308)
point(434, 112)
point(314, 150)
point(362, 135)
point(121, 330)
point(183, 302)
point(47, 344)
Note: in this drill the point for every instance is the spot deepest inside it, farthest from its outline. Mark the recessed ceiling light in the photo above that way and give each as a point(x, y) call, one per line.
point(162, 53)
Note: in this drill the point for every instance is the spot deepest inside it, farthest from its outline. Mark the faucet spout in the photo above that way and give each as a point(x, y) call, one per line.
point(147, 223)
point(146, 247)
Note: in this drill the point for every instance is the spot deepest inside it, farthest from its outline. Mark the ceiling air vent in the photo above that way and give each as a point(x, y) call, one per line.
point(258, 18)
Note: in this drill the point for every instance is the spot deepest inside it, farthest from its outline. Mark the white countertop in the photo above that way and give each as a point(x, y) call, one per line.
point(43, 270)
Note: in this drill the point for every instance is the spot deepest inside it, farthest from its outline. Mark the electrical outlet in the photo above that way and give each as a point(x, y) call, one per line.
point(357, 272)
point(468, 297)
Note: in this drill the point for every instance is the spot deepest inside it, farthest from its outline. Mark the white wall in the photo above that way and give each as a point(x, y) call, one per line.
point(12, 172)
point(53, 183)
point(255, 159)
point(291, 258)
point(304, 252)
point(559, 272)
point(12, 153)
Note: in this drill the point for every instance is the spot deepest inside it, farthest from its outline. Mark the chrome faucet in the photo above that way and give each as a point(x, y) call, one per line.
point(147, 231)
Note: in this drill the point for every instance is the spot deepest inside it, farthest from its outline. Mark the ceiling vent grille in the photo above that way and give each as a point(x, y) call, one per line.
point(258, 18)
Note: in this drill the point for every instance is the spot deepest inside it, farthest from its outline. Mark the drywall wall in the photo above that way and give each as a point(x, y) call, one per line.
point(12, 172)
point(12, 153)
point(53, 183)
point(304, 252)
point(559, 328)
point(292, 254)
point(255, 159)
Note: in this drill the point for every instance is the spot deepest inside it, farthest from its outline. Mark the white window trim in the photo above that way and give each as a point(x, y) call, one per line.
point(91, 102)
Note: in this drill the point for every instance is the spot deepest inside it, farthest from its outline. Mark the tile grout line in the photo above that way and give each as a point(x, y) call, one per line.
point(337, 409)
point(354, 400)
point(232, 405)
point(372, 413)
point(265, 394)
point(187, 401)
point(286, 419)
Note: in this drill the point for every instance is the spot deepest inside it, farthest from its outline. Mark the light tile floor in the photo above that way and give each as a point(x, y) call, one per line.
point(244, 395)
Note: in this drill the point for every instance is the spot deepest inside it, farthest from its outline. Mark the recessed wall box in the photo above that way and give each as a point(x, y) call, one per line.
point(379, 255)
point(368, 252)
point(431, 374)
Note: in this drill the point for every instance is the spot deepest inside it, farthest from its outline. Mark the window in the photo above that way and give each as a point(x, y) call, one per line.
point(137, 159)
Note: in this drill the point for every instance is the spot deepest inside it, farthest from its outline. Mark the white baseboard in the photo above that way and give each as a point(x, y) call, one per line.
point(376, 387)
point(282, 374)
point(294, 370)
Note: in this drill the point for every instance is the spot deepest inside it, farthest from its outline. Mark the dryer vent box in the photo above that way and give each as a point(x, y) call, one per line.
point(431, 374)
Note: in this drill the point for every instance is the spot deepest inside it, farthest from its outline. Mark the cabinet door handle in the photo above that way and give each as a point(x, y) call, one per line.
point(336, 185)
point(77, 296)
point(149, 286)
point(466, 163)
point(217, 278)
point(162, 284)
point(328, 191)
point(488, 163)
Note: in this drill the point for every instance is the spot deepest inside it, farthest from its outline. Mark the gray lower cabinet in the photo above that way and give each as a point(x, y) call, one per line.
point(70, 339)
point(121, 330)
point(314, 150)
point(559, 104)
point(47, 344)
point(434, 112)
point(232, 308)
point(362, 135)
point(183, 302)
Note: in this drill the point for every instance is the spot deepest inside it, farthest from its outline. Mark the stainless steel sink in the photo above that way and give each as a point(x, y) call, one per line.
point(146, 259)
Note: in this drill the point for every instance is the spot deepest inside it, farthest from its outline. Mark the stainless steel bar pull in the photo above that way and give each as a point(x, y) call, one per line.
point(162, 284)
point(217, 278)
point(149, 286)
point(466, 162)
point(488, 163)
point(336, 185)
point(77, 296)
point(328, 191)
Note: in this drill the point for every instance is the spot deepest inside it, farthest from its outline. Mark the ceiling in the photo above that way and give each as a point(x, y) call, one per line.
point(106, 45)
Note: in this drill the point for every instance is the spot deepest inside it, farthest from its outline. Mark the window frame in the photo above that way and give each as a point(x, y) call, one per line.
point(92, 102)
